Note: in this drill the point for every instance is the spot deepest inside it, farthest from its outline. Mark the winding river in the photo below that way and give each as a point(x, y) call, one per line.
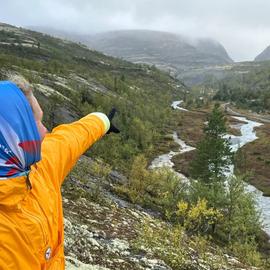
point(248, 135)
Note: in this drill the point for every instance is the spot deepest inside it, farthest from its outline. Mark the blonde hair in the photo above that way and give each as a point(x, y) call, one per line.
point(26, 88)
point(22, 83)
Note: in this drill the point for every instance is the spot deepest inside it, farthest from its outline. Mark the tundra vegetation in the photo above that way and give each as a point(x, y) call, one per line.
point(248, 91)
point(214, 208)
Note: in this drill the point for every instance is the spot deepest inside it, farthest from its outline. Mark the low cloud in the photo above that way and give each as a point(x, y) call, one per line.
point(242, 26)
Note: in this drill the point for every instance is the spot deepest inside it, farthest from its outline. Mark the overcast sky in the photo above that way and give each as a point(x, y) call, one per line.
point(241, 26)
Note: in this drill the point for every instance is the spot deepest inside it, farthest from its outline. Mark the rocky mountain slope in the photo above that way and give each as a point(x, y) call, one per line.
point(264, 55)
point(165, 50)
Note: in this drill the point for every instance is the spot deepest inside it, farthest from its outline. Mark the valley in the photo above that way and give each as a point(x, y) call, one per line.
point(119, 213)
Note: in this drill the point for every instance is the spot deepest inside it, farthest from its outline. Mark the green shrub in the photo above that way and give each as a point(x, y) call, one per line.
point(247, 252)
point(170, 244)
point(160, 189)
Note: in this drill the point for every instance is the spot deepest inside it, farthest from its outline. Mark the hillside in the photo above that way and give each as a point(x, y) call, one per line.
point(248, 88)
point(72, 80)
point(264, 55)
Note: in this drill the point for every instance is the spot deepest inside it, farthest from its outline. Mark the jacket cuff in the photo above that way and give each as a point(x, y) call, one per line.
point(103, 117)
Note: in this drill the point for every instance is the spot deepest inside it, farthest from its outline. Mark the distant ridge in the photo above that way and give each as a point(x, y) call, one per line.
point(162, 49)
point(264, 55)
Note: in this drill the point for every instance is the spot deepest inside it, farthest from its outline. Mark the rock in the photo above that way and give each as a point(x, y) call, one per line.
point(74, 264)
point(119, 245)
point(117, 178)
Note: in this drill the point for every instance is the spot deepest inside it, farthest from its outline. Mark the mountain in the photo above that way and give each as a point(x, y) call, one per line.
point(263, 56)
point(190, 60)
point(165, 50)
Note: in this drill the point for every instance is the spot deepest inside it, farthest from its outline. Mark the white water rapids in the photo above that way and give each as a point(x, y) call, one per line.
point(176, 107)
point(165, 160)
point(247, 135)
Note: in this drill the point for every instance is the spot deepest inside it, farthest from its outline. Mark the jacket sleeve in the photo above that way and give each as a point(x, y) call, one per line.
point(62, 147)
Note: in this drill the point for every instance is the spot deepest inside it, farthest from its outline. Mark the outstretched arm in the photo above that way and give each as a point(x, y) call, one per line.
point(62, 147)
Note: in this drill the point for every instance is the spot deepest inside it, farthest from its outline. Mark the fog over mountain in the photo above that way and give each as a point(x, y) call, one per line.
point(242, 27)
point(163, 49)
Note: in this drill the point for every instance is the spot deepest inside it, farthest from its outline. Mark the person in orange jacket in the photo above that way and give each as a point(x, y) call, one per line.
point(33, 166)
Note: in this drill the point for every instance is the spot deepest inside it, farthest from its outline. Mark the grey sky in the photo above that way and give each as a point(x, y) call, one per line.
point(241, 26)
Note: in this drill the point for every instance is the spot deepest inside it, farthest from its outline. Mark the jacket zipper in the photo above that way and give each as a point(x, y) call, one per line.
point(39, 222)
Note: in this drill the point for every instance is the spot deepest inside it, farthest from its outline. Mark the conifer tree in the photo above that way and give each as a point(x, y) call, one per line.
point(214, 156)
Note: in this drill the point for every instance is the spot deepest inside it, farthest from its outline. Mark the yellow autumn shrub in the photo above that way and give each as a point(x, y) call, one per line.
point(197, 218)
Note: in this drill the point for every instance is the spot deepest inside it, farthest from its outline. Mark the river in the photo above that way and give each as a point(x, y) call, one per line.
point(248, 134)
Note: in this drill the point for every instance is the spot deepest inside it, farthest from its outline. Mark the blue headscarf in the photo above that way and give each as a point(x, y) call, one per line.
point(19, 137)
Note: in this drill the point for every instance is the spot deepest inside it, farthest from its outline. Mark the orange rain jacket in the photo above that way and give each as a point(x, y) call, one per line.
point(31, 220)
